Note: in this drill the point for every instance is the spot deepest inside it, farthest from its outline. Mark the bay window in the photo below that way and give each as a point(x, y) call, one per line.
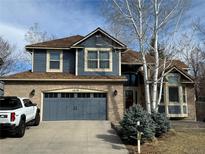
point(176, 102)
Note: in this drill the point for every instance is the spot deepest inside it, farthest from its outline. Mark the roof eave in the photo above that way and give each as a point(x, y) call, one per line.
point(77, 80)
point(38, 47)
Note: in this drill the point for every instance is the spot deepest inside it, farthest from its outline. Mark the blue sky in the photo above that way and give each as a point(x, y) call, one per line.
point(58, 17)
point(61, 17)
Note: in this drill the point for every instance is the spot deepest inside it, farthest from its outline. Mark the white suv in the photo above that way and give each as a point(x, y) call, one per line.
point(16, 113)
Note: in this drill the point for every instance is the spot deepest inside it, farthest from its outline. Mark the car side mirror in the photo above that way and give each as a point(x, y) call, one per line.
point(26, 104)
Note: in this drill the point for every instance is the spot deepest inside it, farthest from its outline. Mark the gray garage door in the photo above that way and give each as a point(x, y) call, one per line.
point(74, 106)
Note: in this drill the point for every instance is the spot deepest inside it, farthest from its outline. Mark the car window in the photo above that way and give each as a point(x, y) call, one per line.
point(27, 103)
point(9, 103)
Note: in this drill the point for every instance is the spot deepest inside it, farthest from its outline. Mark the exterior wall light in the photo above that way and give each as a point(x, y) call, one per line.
point(32, 93)
point(115, 93)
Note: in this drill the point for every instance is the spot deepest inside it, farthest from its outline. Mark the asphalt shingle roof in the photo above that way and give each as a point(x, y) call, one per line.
point(28, 75)
point(58, 43)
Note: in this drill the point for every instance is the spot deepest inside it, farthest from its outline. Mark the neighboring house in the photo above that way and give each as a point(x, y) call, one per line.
point(1, 88)
point(200, 104)
point(95, 77)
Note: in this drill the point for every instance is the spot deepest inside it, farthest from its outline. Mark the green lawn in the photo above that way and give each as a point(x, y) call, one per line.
point(183, 141)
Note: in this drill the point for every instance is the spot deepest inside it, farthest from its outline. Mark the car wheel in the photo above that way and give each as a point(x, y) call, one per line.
point(20, 131)
point(37, 119)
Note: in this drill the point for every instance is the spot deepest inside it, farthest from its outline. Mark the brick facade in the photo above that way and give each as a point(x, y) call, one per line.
point(115, 104)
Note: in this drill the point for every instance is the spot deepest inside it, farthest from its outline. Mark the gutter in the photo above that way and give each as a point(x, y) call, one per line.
point(45, 48)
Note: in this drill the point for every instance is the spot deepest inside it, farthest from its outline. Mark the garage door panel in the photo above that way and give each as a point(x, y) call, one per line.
point(74, 108)
point(69, 109)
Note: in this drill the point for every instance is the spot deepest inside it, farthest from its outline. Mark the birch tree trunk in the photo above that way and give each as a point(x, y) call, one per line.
point(156, 56)
point(161, 84)
point(146, 19)
point(140, 35)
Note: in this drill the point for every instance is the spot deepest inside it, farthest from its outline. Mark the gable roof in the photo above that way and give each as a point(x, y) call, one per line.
point(185, 74)
point(103, 32)
point(66, 42)
point(131, 57)
point(72, 41)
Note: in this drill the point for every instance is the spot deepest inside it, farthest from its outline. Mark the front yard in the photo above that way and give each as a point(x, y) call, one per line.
point(183, 141)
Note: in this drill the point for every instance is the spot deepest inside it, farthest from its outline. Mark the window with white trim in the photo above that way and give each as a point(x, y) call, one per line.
point(177, 96)
point(98, 59)
point(174, 94)
point(184, 94)
point(54, 61)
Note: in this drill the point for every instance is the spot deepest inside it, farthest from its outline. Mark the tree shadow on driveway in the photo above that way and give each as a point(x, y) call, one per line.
point(112, 138)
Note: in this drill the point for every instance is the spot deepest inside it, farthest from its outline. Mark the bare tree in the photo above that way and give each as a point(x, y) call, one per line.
point(199, 29)
point(7, 59)
point(119, 32)
point(35, 35)
point(194, 56)
point(148, 20)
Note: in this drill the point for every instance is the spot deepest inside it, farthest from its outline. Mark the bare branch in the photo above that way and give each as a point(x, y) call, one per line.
point(166, 18)
point(122, 12)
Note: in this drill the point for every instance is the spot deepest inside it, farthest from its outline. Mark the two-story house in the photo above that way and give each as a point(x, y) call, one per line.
point(95, 77)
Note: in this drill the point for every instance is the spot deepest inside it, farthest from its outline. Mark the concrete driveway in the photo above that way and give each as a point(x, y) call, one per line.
point(68, 137)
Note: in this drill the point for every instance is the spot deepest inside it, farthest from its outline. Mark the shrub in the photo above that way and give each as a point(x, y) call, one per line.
point(129, 123)
point(162, 123)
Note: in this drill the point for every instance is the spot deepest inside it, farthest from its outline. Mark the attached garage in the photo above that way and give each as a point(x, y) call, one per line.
point(74, 106)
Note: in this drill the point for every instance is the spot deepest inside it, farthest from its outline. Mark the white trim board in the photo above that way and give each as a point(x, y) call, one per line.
point(119, 54)
point(86, 69)
point(179, 72)
point(32, 60)
point(41, 118)
point(76, 62)
point(74, 90)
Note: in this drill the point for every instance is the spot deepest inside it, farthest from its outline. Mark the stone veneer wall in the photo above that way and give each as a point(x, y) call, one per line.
point(115, 104)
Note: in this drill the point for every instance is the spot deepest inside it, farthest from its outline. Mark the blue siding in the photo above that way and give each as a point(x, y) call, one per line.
point(39, 64)
point(40, 61)
point(99, 40)
point(69, 61)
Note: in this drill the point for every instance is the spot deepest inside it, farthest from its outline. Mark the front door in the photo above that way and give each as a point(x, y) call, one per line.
point(130, 97)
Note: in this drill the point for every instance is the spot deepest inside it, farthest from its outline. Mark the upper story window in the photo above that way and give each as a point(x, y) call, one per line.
point(54, 61)
point(98, 59)
point(132, 79)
